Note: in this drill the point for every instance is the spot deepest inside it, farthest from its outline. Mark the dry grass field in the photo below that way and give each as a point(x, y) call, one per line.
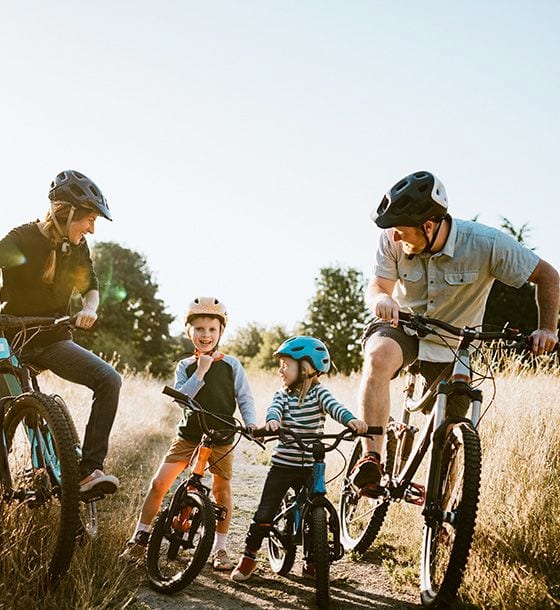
point(514, 563)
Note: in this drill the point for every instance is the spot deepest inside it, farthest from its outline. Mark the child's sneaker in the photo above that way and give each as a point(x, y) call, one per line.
point(308, 569)
point(136, 548)
point(221, 561)
point(244, 569)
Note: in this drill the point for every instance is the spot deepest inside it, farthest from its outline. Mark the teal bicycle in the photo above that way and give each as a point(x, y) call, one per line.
point(41, 512)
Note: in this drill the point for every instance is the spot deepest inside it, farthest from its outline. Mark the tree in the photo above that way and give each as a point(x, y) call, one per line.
point(271, 340)
point(245, 343)
point(514, 305)
point(133, 326)
point(337, 315)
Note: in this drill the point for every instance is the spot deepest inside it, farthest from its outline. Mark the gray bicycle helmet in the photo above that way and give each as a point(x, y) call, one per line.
point(411, 202)
point(77, 189)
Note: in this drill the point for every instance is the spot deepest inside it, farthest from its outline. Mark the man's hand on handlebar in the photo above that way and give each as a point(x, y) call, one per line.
point(543, 340)
point(387, 308)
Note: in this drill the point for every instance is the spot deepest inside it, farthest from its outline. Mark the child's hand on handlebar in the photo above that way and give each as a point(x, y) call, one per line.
point(272, 425)
point(357, 425)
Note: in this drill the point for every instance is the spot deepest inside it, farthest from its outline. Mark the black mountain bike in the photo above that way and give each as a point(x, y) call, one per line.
point(309, 518)
point(450, 496)
point(183, 532)
point(41, 509)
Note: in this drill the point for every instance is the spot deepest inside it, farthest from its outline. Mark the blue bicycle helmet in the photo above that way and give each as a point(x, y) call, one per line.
point(307, 348)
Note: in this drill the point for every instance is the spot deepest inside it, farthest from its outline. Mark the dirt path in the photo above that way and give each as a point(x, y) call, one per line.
point(354, 584)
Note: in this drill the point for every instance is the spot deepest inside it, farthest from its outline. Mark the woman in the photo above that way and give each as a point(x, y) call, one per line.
point(42, 264)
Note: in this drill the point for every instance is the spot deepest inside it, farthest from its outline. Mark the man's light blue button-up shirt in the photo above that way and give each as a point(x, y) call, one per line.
point(453, 284)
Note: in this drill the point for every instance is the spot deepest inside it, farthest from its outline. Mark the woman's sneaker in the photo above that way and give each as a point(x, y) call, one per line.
point(244, 569)
point(99, 483)
point(136, 548)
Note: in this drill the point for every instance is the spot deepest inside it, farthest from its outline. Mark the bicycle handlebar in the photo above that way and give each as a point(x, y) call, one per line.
point(422, 324)
point(8, 321)
point(300, 438)
point(194, 406)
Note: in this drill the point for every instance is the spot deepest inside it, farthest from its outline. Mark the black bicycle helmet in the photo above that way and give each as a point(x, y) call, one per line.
point(411, 202)
point(75, 188)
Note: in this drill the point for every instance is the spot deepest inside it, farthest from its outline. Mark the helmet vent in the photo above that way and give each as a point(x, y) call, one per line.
point(401, 186)
point(297, 348)
point(77, 190)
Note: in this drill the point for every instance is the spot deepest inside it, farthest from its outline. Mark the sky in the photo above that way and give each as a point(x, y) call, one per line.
point(242, 145)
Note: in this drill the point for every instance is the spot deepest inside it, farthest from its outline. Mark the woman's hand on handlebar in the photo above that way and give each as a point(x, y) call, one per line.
point(358, 426)
point(85, 318)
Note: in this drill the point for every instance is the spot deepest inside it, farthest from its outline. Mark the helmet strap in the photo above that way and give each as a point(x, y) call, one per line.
point(431, 242)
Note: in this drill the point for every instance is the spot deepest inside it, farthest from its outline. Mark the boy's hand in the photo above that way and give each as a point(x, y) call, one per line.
point(357, 425)
point(272, 425)
point(204, 364)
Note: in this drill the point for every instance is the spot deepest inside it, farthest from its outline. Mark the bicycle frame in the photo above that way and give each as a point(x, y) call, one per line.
point(313, 493)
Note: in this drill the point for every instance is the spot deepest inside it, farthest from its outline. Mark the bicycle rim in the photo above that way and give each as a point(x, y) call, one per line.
point(448, 533)
point(280, 557)
point(177, 552)
point(43, 516)
point(321, 558)
point(361, 518)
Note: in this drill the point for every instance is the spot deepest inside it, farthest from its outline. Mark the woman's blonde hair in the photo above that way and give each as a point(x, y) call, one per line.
point(60, 210)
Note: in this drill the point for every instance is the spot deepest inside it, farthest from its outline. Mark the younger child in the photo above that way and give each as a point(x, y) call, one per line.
point(301, 406)
point(218, 382)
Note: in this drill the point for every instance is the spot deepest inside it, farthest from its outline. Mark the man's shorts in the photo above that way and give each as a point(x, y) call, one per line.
point(458, 405)
point(220, 462)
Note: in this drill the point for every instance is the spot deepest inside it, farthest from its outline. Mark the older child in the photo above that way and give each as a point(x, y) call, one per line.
point(218, 382)
point(301, 405)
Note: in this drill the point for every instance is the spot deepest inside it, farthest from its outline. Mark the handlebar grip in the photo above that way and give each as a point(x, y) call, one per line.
point(263, 432)
point(375, 430)
point(173, 393)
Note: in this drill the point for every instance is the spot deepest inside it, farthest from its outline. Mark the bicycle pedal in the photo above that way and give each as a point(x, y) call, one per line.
point(415, 494)
point(91, 496)
point(220, 511)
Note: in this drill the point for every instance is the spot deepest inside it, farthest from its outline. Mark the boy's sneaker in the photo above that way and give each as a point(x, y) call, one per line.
point(136, 548)
point(221, 561)
point(244, 569)
point(99, 483)
point(366, 476)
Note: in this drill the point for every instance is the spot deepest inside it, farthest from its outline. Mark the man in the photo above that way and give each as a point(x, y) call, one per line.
point(442, 267)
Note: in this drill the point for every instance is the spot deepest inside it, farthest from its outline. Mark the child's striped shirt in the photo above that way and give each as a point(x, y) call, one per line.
point(307, 417)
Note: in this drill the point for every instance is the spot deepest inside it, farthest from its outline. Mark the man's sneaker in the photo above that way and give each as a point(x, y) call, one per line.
point(99, 482)
point(244, 569)
point(366, 476)
point(136, 548)
point(221, 561)
point(308, 569)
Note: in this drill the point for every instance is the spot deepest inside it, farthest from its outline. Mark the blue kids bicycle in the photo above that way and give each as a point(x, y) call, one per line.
point(308, 518)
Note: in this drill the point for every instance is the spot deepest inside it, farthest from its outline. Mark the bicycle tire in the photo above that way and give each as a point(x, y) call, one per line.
point(321, 555)
point(88, 510)
point(45, 477)
point(448, 536)
point(175, 557)
point(281, 557)
point(361, 518)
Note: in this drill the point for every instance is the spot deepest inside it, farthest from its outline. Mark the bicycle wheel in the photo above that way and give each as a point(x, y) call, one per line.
point(88, 510)
point(281, 555)
point(321, 559)
point(449, 529)
point(361, 518)
point(45, 481)
point(181, 543)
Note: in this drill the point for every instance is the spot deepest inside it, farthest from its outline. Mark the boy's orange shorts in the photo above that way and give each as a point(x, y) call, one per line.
point(220, 463)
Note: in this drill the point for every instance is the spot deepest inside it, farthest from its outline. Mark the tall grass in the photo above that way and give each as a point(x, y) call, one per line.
point(515, 560)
